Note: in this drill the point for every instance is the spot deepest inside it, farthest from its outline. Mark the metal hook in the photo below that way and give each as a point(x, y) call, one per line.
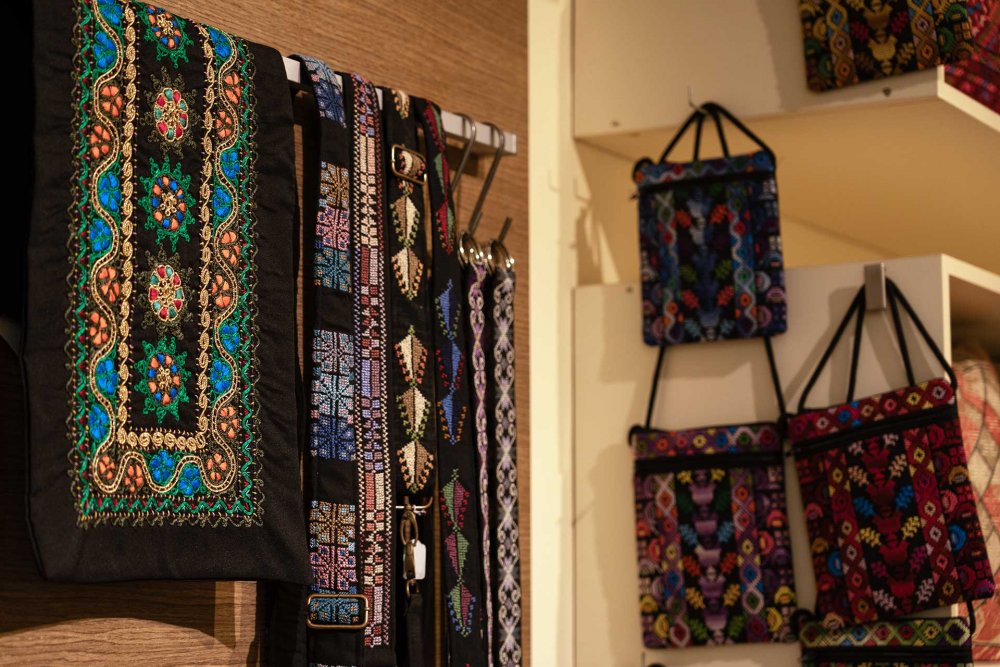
point(477, 211)
point(697, 107)
point(466, 152)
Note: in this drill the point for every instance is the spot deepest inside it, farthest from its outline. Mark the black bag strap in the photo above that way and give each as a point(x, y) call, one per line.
point(716, 112)
point(857, 310)
point(775, 380)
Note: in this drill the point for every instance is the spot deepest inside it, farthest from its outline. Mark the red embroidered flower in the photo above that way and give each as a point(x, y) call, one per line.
point(222, 292)
point(229, 424)
point(97, 329)
point(223, 125)
point(170, 114)
point(230, 247)
point(106, 468)
point(134, 478)
point(99, 141)
point(108, 283)
point(111, 100)
point(216, 467)
point(232, 88)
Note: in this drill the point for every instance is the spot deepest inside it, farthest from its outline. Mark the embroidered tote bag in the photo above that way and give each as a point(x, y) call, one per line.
point(715, 564)
point(889, 510)
point(927, 642)
point(850, 41)
point(710, 249)
point(159, 359)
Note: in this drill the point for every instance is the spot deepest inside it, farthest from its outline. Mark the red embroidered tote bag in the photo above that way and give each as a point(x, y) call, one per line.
point(889, 509)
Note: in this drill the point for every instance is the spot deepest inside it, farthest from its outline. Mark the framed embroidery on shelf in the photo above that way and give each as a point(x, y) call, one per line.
point(152, 232)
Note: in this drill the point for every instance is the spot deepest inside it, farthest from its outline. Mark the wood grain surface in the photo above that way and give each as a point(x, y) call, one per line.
point(468, 56)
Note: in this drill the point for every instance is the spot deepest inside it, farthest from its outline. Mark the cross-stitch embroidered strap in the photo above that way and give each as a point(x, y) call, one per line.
point(927, 642)
point(889, 509)
point(152, 378)
point(501, 415)
point(411, 371)
point(460, 536)
point(475, 276)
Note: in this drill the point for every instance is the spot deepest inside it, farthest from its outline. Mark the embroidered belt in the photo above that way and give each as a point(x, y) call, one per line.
point(412, 425)
point(457, 469)
point(349, 473)
point(506, 556)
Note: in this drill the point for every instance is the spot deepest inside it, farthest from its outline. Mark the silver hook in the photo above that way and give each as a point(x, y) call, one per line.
point(466, 152)
point(696, 107)
point(477, 211)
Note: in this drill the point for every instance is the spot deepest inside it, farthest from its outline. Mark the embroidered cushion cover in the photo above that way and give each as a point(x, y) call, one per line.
point(715, 564)
point(979, 412)
point(889, 509)
point(159, 367)
point(978, 76)
point(926, 642)
point(710, 249)
point(850, 41)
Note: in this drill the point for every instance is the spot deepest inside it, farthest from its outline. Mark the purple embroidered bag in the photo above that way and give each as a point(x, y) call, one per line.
point(890, 512)
point(709, 242)
point(715, 564)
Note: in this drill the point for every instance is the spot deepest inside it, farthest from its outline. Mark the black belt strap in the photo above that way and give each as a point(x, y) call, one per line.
point(460, 529)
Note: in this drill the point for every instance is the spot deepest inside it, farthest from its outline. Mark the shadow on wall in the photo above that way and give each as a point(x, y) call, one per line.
point(27, 602)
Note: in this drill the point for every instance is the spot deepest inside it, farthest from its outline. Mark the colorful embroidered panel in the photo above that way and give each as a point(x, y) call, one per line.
point(850, 41)
point(461, 581)
point(889, 509)
point(712, 534)
point(979, 412)
point(978, 76)
point(162, 311)
point(506, 556)
point(710, 250)
point(924, 642)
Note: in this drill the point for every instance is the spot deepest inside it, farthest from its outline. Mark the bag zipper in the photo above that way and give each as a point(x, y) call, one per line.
point(912, 655)
point(723, 460)
point(719, 178)
point(824, 442)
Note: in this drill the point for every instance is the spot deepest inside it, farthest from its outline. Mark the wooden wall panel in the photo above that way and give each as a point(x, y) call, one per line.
point(468, 56)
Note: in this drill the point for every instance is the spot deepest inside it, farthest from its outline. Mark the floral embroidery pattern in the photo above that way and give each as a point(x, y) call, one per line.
point(170, 114)
point(162, 378)
point(169, 34)
point(163, 429)
point(167, 202)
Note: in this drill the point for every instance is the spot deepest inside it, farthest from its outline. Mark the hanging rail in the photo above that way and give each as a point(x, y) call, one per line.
point(486, 139)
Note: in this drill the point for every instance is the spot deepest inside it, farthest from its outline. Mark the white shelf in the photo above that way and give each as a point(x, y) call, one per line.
point(727, 382)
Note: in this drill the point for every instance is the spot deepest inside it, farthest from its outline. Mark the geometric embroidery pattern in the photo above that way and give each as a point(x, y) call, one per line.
point(333, 547)
point(332, 263)
point(889, 509)
point(332, 396)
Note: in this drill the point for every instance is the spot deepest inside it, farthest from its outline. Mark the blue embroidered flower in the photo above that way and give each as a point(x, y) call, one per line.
point(97, 422)
point(100, 235)
point(222, 202)
point(229, 333)
point(833, 563)
point(221, 44)
point(230, 163)
point(221, 376)
point(161, 467)
point(107, 376)
point(109, 191)
point(111, 10)
point(105, 51)
point(190, 480)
